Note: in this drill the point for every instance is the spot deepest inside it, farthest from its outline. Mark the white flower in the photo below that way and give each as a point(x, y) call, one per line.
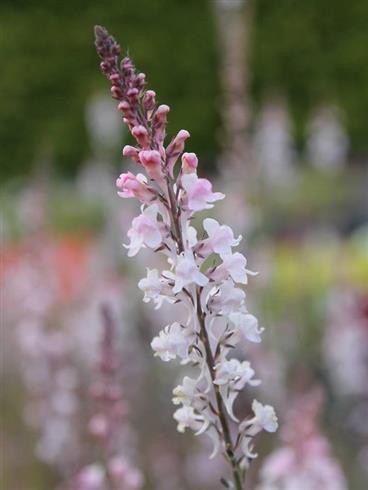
point(199, 192)
point(220, 237)
point(265, 419)
point(226, 298)
point(187, 272)
point(234, 266)
point(150, 285)
point(191, 236)
point(153, 287)
point(173, 341)
point(232, 375)
point(265, 416)
point(247, 325)
point(145, 231)
point(185, 393)
point(186, 417)
point(235, 374)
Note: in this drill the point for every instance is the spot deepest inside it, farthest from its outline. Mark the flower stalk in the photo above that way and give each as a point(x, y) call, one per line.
point(217, 318)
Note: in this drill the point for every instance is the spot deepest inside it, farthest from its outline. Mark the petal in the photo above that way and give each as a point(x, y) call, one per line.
point(229, 402)
point(212, 434)
point(216, 196)
point(154, 239)
point(200, 279)
point(210, 225)
point(188, 180)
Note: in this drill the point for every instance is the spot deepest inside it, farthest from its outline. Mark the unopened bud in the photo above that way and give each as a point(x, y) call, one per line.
point(140, 133)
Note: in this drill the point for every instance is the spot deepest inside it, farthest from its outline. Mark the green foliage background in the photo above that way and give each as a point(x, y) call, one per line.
point(311, 51)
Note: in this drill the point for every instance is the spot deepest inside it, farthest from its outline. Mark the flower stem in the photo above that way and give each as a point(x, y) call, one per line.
point(229, 447)
point(237, 474)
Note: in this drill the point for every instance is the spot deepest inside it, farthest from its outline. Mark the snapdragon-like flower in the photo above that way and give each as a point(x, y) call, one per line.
point(199, 193)
point(171, 199)
point(220, 237)
point(173, 341)
point(246, 325)
point(155, 288)
point(232, 375)
point(188, 418)
point(145, 231)
point(187, 272)
point(233, 265)
point(131, 185)
point(226, 298)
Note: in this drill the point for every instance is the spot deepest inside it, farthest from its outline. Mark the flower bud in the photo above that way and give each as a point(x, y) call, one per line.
point(123, 106)
point(133, 93)
point(189, 163)
point(114, 77)
point(116, 92)
point(159, 123)
point(151, 160)
point(139, 81)
point(131, 152)
point(174, 149)
point(140, 133)
point(149, 100)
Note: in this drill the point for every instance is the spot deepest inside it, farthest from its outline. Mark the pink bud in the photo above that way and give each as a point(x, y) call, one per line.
point(140, 80)
point(133, 93)
point(151, 160)
point(131, 152)
point(140, 133)
point(175, 148)
point(149, 101)
point(114, 77)
point(105, 67)
point(161, 113)
point(159, 123)
point(116, 92)
point(123, 106)
point(189, 163)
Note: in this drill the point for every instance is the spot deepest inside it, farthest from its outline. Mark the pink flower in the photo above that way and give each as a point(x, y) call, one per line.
point(187, 272)
point(220, 237)
point(234, 266)
point(145, 231)
point(131, 185)
point(226, 298)
point(189, 163)
point(151, 160)
point(175, 148)
point(199, 192)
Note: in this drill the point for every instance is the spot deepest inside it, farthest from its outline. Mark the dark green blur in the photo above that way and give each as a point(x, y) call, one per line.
point(311, 51)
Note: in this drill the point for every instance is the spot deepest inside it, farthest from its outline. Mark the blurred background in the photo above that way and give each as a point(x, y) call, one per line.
point(275, 96)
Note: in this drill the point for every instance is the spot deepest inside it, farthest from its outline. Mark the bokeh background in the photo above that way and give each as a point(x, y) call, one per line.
point(275, 96)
